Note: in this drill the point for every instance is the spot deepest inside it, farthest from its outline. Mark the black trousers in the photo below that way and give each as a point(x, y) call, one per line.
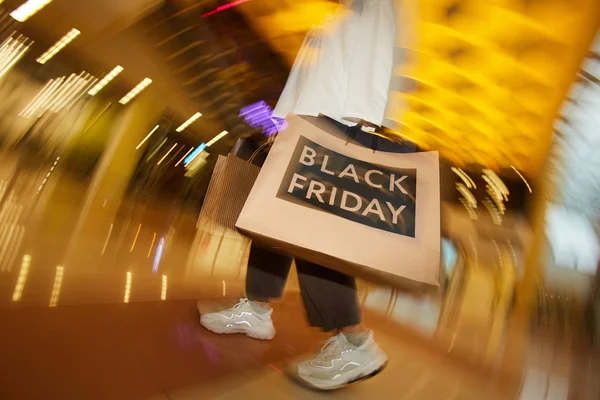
point(329, 296)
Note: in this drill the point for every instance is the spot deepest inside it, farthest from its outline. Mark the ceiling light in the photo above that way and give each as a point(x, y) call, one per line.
point(58, 46)
point(135, 91)
point(11, 51)
point(216, 138)
point(147, 137)
point(163, 289)
point(190, 121)
point(194, 154)
point(127, 287)
point(26, 10)
point(165, 156)
point(184, 156)
point(106, 80)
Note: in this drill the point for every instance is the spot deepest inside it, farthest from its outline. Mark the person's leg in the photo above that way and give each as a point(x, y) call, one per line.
point(267, 274)
point(265, 280)
point(331, 303)
point(329, 297)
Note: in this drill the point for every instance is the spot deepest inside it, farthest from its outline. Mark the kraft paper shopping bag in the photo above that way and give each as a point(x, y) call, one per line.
point(219, 250)
point(371, 214)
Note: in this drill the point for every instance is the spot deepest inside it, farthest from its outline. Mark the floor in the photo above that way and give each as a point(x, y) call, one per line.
point(156, 350)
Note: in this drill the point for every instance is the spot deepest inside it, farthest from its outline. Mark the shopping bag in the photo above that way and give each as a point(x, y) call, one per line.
point(219, 250)
point(374, 215)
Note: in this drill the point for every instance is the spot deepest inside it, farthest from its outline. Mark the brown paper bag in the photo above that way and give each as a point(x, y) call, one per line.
point(371, 214)
point(219, 250)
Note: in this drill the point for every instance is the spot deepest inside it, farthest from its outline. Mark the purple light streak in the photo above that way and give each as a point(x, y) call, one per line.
point(260, 116)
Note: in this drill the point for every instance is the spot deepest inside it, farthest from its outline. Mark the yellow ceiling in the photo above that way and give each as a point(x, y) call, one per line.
point(487, 77)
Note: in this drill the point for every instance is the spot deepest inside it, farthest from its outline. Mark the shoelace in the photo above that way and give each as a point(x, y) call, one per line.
point(331, 349)
point(239, 305)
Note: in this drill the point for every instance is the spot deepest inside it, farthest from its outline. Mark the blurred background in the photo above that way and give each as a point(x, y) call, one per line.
point(113, 114)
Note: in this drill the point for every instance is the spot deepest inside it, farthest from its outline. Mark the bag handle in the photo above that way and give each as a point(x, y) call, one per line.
point(257, 151)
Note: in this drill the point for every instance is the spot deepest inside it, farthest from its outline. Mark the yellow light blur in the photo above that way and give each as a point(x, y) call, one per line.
point(127, 288)
point(151, 245)
point(467, 194)
point(216, 138)
point(224, 285)
point(190, 121)
point(136, 238)
point(26, 10)
point(105, 80)
point(165, 156)
point(184, 156)
point(12, 50)
point(107, 239)
point(147, 137)
point(163, 289)
point(58, 46)
point(23, 272)
point(465, 177)
point(523, 178)
point(58, 278)
point(135, 91)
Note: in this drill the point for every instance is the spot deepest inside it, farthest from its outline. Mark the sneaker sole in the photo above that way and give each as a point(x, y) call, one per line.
point(253, 335)
point(323, 386)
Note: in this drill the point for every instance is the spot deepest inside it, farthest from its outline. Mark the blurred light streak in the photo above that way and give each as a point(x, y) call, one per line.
point(274, 368)
point(190, 121)
point(97, 117)
point(105, 80)
point(196, 164)
point(184, 156)
point(15, 248)
point(224, 7)
point(37, 97)
point(58, 94)
point(494, 213)
point(10, 229)
point(523, 178)
point(58, 279)
point(26, 10)
point(260, 116)
point(216, 138)
point(157, 149)
point(136, 238)
point(163, 289)
point(135, 91)
point(127, 288)
point(107, 239)
point(83, 89)
point(25, 264)
point(58, 46)
point(465, 177)
point(175, 155)
point(40, 99)
point(224, 288)
point(48, 175)
point(147, 137)
point(11, 51)
point(467, 194)
point(498, 183)
point(151, 245)
point(194, 154)
point(166, 154)
point(158, 256)
point(469, 209)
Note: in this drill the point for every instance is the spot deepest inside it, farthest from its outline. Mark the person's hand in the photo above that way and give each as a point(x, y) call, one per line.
point(271, 138)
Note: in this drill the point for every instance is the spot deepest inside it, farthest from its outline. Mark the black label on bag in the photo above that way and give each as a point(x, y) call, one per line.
point(374, 195)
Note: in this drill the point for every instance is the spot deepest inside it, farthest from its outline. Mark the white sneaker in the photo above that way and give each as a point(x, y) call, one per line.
point(241, 318)
point(339, 363)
